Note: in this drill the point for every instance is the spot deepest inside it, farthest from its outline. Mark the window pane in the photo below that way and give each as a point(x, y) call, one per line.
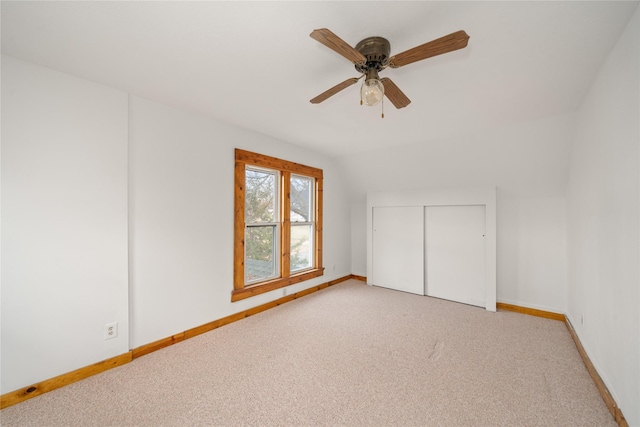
point(301, 199)
point(260, 196)
point(260, 253)
point(301, 247)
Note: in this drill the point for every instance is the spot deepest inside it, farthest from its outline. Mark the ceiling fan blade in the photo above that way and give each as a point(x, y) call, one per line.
point(395, 95)
point(446, 44)
point(330, 40)
point(337, 88)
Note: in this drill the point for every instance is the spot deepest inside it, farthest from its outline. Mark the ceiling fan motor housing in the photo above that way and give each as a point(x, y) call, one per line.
point(376, 50)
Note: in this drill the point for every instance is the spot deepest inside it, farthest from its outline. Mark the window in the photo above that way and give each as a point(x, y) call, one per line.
point(278, 224)
point(262, 227)
point(302, 222)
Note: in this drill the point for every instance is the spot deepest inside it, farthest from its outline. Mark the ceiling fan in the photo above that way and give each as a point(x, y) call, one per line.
point(371, 55)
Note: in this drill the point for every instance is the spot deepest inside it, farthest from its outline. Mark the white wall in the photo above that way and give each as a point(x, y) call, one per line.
point(64, 223)
point(182, 168)
point(527, 163)
point(528, 159)
point(603, 220)
point(532, 252)
point(116, 208)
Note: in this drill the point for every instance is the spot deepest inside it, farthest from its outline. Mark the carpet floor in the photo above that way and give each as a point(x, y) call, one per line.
point(352, 355)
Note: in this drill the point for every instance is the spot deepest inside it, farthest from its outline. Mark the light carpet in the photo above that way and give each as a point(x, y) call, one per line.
point(352, 355)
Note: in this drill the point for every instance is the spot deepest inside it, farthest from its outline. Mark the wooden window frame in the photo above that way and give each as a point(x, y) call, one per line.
point(286, 168)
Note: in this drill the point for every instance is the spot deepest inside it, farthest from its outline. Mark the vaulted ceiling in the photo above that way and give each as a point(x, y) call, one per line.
point(254, 65)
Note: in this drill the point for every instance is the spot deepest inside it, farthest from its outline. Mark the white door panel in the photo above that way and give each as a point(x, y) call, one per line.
point(398, 248)
point(455, 253)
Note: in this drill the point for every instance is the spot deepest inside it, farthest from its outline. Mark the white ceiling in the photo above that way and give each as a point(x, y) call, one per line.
point(253, 64)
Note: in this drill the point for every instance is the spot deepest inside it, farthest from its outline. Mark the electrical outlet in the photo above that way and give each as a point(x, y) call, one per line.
point(110, 330)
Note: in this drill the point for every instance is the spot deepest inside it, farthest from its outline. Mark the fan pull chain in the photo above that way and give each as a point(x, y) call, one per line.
point(382, 116)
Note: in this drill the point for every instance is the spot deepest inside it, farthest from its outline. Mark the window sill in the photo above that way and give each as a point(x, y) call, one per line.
point(260, 288)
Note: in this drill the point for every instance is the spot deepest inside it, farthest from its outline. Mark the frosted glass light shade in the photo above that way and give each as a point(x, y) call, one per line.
point(372, 92)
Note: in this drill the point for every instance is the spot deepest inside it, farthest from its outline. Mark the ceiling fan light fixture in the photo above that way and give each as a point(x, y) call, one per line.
point(372, 55)
point(372, 90)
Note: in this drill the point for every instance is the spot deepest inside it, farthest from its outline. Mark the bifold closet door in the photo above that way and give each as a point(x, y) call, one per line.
point(455, 253)
point(398, 248)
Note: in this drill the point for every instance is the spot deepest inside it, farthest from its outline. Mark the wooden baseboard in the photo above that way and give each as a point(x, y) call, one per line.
point(255, 310)
point(613, 407)
point(600, 385)
point(530, 311)
point(190, 333)
point(361, 278)
point(45, 386)
point(34, 390)
point(157, 345)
